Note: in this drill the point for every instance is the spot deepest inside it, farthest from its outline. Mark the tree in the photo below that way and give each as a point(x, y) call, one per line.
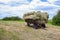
point(12, 18)
point(56, 19)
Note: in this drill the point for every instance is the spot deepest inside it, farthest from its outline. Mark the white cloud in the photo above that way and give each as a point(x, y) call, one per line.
point(21, 9)
point(52, 1)
point(6, 1)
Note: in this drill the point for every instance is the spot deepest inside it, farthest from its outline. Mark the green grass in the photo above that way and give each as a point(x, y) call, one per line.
point(13, 20)
point(49, 21)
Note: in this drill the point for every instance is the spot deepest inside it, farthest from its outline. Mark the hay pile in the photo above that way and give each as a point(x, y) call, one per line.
point(42, 16)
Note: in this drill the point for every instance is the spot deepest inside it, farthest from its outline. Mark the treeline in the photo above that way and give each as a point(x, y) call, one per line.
point(56, 19)
point(13, 18)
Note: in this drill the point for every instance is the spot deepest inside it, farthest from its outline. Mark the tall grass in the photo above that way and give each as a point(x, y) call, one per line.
point(8, 35)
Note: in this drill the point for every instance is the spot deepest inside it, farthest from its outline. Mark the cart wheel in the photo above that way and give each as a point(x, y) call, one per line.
point(43, 26)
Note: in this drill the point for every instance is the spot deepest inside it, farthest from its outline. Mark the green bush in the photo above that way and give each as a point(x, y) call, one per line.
point(12, 18)
point(56, 19)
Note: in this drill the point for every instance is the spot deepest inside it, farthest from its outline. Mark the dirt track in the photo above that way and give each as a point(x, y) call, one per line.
point(24, 32)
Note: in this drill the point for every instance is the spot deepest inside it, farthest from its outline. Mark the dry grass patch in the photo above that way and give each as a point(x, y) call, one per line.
point(19, 31)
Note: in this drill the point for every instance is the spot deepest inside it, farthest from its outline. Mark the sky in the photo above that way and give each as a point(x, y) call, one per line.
point(20, 7)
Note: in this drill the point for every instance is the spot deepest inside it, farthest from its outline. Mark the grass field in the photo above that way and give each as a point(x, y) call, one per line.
point(17, 30)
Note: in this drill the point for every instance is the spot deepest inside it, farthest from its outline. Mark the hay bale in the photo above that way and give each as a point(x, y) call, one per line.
point(42, 16)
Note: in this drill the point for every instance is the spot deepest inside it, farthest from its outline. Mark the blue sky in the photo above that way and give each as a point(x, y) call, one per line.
point(19, 7)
